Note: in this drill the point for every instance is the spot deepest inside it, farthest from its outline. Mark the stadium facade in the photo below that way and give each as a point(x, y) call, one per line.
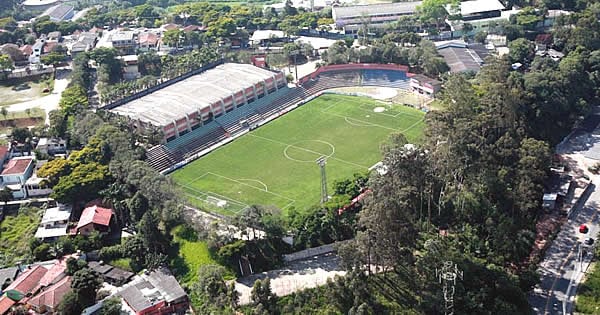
point(189, 104)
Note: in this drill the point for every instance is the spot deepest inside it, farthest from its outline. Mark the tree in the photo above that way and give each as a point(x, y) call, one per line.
point(83, 183)
point(173, 38)
point(6, 195)
point(85, 284)
point(21, 134)
point(262, 296)
point(74, 265)
point(433, 11)
point(53, 59)
point(521, 50)
point(73, 99)
point(4, 112)
point(111, 306)
point(6, 63)
point(69, 304)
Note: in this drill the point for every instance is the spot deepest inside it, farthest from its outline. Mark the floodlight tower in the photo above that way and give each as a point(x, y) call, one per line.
point(322, 161)
point(447, 277)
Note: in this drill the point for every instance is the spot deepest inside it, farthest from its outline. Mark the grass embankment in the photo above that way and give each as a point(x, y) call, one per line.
point(588, 295)
point(16, 232)
point(189, 253)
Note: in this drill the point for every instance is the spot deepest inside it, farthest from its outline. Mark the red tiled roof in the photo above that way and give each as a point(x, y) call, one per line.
point(3, 150)
point(49, 46)
point(5, 304)
point(16, 166)
point(96, 215)
point(148, 38)
point(170, 26)
point(52, 295)
point(191, 28)
point(26, 49)
point(28, 280)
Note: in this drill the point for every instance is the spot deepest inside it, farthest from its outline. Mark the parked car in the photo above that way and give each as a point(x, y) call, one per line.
point(588, 241)
point(583, 229)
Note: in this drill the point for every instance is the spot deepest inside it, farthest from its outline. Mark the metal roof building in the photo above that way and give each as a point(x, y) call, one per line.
point(205, 95)
point(459, 56)
point(350, 18)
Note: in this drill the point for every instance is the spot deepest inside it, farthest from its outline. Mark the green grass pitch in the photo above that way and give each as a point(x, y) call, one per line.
point(275, 164)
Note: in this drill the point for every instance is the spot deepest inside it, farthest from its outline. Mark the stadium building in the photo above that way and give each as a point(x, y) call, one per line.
point(196, 101)
point(352, 18)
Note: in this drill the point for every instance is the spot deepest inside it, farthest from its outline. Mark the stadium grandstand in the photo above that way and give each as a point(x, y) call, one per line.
point(209, 109)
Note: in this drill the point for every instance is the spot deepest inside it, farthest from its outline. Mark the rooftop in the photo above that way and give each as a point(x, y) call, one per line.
point(5, 304)
point(58, 12)
point(52, 295)
point(17, 166)
point(28, 280)
point(60, 213)
point(341, 12)
point(266, 34)
point(122, 36)
point(96, 215)
point(190, 95)
point(151, 289)
point(477, 6)
point(459, 57)
point(8, 273)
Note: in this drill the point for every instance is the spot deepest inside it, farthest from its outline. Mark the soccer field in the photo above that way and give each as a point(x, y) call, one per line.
point(275, 164)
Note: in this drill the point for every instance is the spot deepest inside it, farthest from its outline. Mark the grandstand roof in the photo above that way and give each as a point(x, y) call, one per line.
point(387, 9)
point(179, 99)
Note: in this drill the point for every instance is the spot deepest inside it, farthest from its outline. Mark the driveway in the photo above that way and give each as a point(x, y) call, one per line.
point(48, 102)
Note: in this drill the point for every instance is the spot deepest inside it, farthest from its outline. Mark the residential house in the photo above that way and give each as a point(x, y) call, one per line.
point(54, 36)
point(55, 222)
point(148, 41)
point(58, 13)
point(261, 37)
point(4, 154)
point(156, 293)
point(85, 42)
point(47, 300)
point(424, 85)
point(169, 27)
point(94, 218)
point(27, 50)
point(15, 175)
point(131, 70)
point(6, 304)
point(124, 41)
point(51, 146)
point(111, 274)
point(26, 283)
point(37, 50)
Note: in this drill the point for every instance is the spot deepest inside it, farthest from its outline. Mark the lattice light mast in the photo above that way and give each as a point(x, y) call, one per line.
point(322, 161)
point(447, 276)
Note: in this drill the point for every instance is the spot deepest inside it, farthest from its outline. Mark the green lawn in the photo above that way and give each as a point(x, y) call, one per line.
point(275, 164)
point(15, 234)
point(192, 253)
point(588, 295)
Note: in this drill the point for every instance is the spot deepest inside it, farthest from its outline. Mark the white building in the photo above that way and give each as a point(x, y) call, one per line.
point(16, 173)
point(352, 18)
point(54, 223)
point(51, 146)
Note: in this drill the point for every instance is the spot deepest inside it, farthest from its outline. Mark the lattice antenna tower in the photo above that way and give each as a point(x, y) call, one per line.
point(447, 276)
point(322, 161)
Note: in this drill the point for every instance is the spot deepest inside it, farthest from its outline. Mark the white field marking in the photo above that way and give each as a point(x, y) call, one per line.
point(256, 181)
point(307, 150)
point(364, 122)
point(211, 193)
point(288, 205)
point(196, 179)
point(242, 183)
point(237, 208)
point(412, 126)
point(285, 153)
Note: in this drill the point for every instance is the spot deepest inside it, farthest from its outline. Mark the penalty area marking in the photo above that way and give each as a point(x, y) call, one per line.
point(295, 145)
point(254, 180)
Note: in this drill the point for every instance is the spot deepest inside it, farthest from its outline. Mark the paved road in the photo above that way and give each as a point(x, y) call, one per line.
point(48, 102)
point(558, 269)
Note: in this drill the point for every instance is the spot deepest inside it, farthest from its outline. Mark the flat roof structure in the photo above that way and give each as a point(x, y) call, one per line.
point(56, 214)
point(192, 94)
point(17, 166)
point(477, 6)
point(373, 10)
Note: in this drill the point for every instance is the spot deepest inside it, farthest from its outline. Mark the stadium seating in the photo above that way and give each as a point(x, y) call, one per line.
point(386, 78)
point(160, 157)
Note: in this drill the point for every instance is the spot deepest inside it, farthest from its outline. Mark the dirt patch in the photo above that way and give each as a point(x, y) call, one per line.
point(21, 122)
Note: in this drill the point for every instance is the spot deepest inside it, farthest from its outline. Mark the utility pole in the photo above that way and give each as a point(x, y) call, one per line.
point(447, 277)
point(295, 54)
point(322, 161)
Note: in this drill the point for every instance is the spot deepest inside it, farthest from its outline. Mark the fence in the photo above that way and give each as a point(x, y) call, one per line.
point(311, 252)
